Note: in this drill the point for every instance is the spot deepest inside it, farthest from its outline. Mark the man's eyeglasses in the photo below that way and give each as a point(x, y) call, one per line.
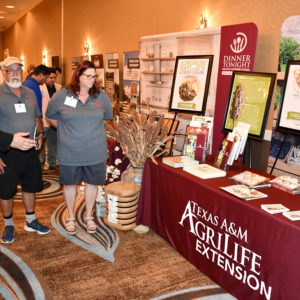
point(12, 71)
point(94, 77)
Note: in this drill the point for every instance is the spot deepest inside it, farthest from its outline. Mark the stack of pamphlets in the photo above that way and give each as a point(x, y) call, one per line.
point(292, 215)
point(204, 171)
point(233, 145)
point(196, 143)
point(223, 155)
point(207, 122)
point(179, 161)
point(286, 183)
point(251, 179)
point(274, 208)
point(244, 192)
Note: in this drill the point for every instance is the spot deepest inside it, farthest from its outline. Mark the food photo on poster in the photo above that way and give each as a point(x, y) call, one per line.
point(249, 101)
point(284, 155)
point(190, 83)
point(289, 113)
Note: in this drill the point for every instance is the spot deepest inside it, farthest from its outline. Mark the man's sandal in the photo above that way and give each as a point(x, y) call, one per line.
point(70, 226)
point(91, 227)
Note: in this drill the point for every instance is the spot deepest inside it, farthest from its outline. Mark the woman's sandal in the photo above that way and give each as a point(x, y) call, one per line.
point(91, 227)
point(70, 226)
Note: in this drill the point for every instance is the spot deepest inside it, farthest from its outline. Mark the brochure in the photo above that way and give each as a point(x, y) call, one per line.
point(236, 140)
point(244, 192)
point(223, 155)
point(179, 161)
point(196, 143)
point(274, 208)
point(292, 215)
point(251, 179)
point(243, 129)
point(204, 171)
point(204, 121)
point(286, 183)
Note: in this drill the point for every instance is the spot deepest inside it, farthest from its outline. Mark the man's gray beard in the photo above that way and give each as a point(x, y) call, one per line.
point(13, 83)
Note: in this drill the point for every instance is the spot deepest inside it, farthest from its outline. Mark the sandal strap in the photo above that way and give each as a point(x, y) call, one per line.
point(70, 219)
point(89, 218)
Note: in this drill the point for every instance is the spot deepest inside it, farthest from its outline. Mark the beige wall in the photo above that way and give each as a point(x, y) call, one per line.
point(117, 25)
point(37, 30)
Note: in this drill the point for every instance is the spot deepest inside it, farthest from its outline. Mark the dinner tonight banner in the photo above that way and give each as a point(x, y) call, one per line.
point(237, 53)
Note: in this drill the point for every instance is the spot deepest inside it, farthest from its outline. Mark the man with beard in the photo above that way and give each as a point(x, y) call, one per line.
point(19, 112)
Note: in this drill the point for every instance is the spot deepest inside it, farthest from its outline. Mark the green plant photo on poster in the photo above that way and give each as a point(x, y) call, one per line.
point(289, 50)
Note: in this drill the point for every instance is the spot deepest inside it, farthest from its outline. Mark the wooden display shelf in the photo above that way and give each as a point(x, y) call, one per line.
point(157, 58)
point(158, 73)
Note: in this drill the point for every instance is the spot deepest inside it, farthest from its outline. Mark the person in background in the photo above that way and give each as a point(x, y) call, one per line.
point(79, 112)
point(37, 78)
point(19, 112)
point(1, 76)
point(50, 135)
point(30, 70)
point(59, 78)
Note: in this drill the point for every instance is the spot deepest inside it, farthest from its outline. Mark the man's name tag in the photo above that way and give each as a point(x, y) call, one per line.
point(70, 101)
point(20, 108)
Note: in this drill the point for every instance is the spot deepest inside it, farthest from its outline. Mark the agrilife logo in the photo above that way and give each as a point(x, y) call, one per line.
point(239, 43)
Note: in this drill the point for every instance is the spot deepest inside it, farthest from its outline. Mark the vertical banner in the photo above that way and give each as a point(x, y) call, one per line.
point(131, 76)
point(97, 59)
point(284, 156)
point(237, 53)
point(112, 77)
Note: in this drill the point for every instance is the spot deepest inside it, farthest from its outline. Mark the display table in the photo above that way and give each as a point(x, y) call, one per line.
point(247, 251)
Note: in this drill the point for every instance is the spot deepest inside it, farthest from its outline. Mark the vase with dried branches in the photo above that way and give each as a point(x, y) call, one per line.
point(140, 136)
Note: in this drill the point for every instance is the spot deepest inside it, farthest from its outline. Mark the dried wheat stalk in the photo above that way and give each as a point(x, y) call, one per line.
point(140, 136)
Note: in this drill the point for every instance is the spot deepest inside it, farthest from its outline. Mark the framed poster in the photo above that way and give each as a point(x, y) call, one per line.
point(289, 113)
point(190, 84)
point(249, 101)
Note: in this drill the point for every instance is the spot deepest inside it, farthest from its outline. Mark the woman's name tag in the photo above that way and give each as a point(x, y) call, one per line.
point(70, 101)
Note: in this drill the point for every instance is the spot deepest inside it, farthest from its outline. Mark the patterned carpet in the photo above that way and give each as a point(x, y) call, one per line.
point(17, 281)
point(55, 266)
point(103, 243)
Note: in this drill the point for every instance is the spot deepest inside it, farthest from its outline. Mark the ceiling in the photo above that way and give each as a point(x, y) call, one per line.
point(11, 15)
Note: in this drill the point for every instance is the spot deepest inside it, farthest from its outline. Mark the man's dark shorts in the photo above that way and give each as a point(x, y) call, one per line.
point(22, 167)
point(72, 175)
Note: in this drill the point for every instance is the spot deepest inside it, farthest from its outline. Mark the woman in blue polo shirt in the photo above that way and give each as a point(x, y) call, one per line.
point(79, 112)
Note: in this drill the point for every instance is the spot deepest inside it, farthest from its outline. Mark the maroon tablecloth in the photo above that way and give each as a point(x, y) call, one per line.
point(248, 252)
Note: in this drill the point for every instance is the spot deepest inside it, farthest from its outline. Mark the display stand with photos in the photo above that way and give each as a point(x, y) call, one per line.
point(191, 83)
point(289, 112)
point(248, 103)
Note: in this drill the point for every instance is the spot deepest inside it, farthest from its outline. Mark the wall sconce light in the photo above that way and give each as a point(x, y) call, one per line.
point(45, 57)
point(86, 48)
point(22, 58)
point(202, 22)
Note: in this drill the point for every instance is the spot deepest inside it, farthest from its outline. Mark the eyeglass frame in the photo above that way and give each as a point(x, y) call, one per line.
point(11, 71)
point(89, 77)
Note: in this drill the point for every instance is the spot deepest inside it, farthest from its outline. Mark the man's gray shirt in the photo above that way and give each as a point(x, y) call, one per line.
point(81, 132)
point(10, 120)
